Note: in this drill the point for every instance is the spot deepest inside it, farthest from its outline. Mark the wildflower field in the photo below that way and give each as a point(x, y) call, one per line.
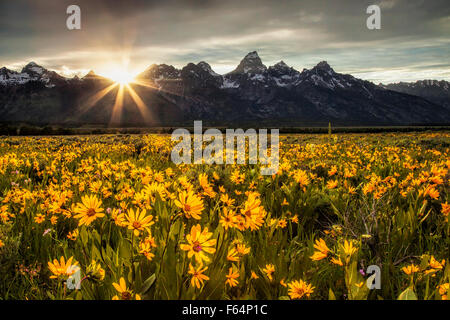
point(113, 215)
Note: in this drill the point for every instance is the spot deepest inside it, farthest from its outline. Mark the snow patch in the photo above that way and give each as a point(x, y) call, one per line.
point(227, 83)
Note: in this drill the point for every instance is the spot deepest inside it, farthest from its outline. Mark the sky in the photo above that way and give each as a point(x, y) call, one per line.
point(412, 44)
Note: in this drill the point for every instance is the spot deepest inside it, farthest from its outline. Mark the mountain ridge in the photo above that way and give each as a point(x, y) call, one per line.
point(250, 92)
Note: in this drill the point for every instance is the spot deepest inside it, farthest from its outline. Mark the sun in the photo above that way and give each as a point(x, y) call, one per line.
point(120, 75)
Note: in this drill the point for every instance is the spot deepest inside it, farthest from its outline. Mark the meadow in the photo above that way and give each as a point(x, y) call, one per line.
point(116, 217)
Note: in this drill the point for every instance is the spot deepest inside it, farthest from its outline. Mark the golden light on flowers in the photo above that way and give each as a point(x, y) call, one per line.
point(227, 200)
point(138, 221)
point(301, 177)
point(197, 276)
point(39, 218)
point(445, 210)
point(435, 265)
point(73, 235)
point(231, 278)
point(348, 248)
point(253, 212)
point(199, 244)
point(191, 258)
point(332, 171)
point(88, 210)
point(410, 269)
point(269, 270)
point(228, 218)
point(124, 292)
point(207, 188)
point(443, 290)
point(332, 184)
point(190, 204)
point(95, 271)
point(322, 250)
point(146, 246)
point(61, 267)
point(299, 288)
point(237, 251)
point(337, 261)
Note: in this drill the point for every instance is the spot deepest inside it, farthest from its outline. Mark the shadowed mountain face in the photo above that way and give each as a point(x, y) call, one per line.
point(252, 93)
point(432, 90)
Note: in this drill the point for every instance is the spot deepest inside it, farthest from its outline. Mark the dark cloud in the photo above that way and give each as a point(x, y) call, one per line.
point(414, 32)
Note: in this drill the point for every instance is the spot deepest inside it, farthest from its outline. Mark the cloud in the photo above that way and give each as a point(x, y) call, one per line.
point(222, 32)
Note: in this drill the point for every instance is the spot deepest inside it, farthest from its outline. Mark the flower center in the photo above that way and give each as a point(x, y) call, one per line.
point(187, 207)
point(197, 247)
point(126, 295)
point(91, 212)
point(137, 225)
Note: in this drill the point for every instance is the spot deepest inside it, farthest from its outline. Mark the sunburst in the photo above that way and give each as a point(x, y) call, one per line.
point(123, 80)
point(120, 75)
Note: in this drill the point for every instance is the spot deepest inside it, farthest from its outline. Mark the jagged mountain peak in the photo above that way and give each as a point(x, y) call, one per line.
point(158, 72)
point(32, 64)
point(250, 64)
point(33, 68)
point(91, 74)
point(281, 64)
point(432, 83)
point(324, 67)
point(323, 64)
point(323, 75)
point(437, 91)
point(251, 93)
point(207, 67)
point(5, 70)
point(427, 83)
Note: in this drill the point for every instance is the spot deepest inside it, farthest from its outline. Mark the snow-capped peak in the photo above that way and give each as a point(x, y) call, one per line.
point(33, 68)
point(323, 75)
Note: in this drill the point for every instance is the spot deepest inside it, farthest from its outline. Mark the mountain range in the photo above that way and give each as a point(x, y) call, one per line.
point(252, 93)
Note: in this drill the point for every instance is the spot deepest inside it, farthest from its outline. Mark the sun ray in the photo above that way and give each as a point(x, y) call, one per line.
point(151, 85)
point(92, 101)
point(142, 107)
point(118, 106)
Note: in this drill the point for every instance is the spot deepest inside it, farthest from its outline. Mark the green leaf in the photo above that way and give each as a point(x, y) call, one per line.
point(84, 236)
point(331, 295)
point(408, 294)
point(148, 284)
